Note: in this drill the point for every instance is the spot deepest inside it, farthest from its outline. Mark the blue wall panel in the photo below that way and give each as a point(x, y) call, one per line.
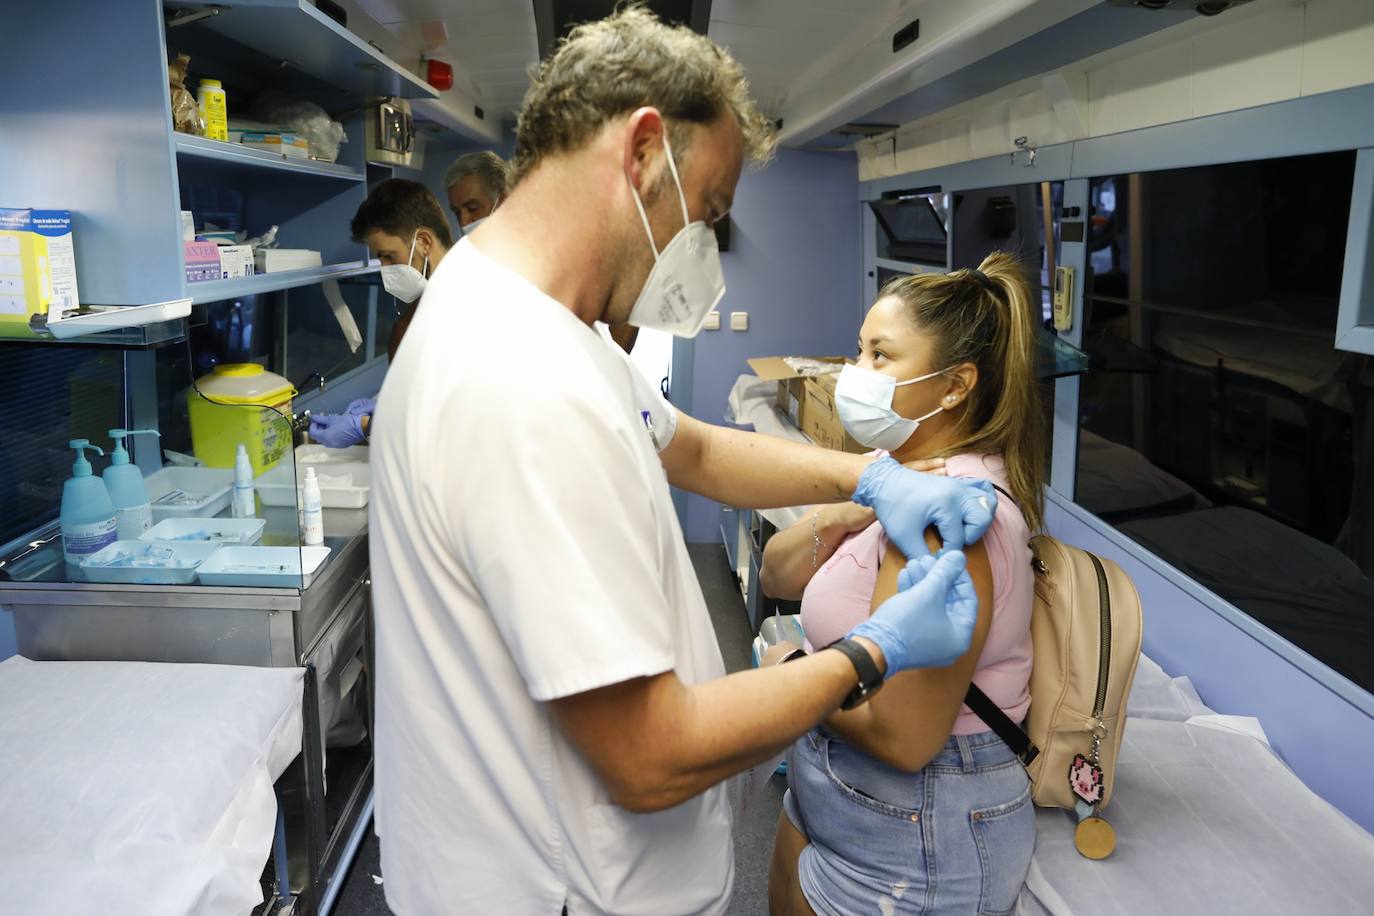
point(793, 263)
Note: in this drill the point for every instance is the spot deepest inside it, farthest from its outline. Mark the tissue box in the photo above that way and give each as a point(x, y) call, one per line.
point(202, 261)
point(37, 269)
point(271, 260)
point(235, 261)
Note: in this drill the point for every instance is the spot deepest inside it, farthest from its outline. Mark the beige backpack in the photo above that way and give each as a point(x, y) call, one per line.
point(1086, 627)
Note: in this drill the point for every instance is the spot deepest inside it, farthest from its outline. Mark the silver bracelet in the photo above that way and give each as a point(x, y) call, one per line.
point(816, 542)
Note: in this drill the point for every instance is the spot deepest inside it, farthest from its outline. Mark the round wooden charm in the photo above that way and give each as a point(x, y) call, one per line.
point(1094, 838)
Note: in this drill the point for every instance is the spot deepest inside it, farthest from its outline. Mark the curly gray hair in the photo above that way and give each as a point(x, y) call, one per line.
point(489, 168)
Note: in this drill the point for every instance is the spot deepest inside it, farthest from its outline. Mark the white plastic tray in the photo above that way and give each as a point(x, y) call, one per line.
point(263, 567)
point(343, 484)
point(124, 316)
point(186, 557)
point(228, 531)
point(178, 492)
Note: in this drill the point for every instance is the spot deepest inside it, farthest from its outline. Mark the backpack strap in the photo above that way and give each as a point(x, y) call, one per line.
point(1001, 723)
point(992, 715)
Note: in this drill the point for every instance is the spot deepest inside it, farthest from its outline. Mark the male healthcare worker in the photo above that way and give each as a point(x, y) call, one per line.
point(553, 719)
point(476, 184)
point(404, 227)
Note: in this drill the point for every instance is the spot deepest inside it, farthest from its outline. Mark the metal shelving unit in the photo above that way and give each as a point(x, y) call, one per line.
point(238, 156)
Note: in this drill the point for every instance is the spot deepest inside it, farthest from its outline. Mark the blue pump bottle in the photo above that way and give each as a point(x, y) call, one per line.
point(128, 492)
point(88, 516)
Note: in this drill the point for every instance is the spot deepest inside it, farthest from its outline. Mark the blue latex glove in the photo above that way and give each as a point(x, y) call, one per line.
point(908, 502)
point(363, 407)
point(337, 430)
point(929, 622)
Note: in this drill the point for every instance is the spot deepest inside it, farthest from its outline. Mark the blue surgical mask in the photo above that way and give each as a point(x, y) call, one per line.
point(864, 401)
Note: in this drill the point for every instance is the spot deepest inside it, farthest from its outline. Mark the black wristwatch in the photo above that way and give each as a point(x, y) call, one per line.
point(870, 678)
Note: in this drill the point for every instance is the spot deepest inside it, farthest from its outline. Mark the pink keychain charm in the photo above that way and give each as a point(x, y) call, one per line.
point(1085, 778)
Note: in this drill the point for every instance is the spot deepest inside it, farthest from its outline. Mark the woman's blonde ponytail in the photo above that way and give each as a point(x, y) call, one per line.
point(1017, 417)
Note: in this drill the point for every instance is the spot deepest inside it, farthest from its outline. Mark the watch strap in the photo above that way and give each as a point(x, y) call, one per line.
point(870, 678)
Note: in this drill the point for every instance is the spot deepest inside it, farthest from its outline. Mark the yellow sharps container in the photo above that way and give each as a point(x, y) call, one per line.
point(241, 403)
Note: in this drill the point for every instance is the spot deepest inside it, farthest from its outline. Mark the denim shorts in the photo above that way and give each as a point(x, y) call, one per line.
point(956, 837)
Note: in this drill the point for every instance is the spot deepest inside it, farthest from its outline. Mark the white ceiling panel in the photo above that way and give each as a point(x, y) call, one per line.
point(785, 46)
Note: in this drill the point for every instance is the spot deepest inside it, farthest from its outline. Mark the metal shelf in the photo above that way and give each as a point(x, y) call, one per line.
point(215, 290)
point(294, 35)
point(239, 157)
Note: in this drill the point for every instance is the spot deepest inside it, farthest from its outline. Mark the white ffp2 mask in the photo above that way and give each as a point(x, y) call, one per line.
point(686, 281)
point(403, 281)
point(864, 401)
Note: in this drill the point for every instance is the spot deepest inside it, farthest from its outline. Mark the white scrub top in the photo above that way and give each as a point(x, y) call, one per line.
point(648, 398)
point(524, 548)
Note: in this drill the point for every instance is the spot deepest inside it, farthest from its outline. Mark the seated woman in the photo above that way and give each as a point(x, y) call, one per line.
point(909, 804)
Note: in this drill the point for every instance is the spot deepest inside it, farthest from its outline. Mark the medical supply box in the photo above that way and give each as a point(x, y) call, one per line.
point(271, 260)
point(235, 261)
point(806, 394)
point(283, 143)
point(201, 260)
point(241, 403)
point(37, 270)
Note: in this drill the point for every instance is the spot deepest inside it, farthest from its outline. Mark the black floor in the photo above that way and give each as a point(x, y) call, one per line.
point(362, 894)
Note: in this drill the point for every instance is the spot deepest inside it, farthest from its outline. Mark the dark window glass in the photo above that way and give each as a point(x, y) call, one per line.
point(1220, 427)
point(53, 395)
point(911, 227)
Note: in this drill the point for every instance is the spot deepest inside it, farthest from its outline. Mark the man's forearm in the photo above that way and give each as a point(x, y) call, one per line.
point(730, 724)
point(756, 471)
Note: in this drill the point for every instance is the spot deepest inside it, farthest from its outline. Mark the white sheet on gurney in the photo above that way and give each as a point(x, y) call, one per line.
point(1208, 820)
point(133, 788)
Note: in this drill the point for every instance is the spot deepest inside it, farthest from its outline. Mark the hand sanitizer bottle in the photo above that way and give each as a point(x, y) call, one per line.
point(312, 527)
point(128, 492)
point(88, 516)
point(243, 504)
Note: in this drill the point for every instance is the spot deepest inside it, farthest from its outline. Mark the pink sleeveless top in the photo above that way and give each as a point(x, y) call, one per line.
point(841, 592)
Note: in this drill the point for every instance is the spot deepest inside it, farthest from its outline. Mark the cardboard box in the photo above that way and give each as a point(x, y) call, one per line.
point(809, 400)
point(271, 260)
point(235, 261)
point(202, 261)
point(37, 269)
point(821, 419)
point(283, 144)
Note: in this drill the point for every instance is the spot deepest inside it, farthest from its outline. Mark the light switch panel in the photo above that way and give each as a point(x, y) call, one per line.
point(712, 321)
point(739, 321)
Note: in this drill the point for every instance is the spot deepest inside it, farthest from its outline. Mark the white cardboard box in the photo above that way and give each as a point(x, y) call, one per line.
point(235, 261)
point(271, 260)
